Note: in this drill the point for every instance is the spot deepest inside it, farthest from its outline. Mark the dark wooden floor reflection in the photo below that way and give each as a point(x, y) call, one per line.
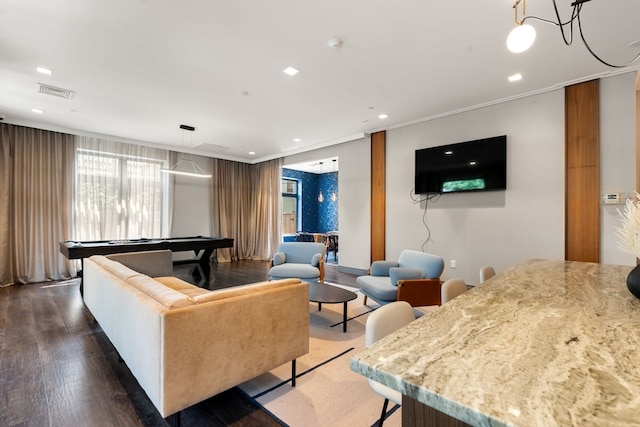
point(57, 368)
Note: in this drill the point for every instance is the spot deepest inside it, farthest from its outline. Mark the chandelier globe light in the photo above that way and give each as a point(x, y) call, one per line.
point(320, 196)
point(521, 38)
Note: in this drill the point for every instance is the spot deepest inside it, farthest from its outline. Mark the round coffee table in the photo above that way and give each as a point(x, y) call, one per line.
point(328, 294)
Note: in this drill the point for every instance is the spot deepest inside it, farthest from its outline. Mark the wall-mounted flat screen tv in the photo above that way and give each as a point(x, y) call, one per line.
point(478, 165)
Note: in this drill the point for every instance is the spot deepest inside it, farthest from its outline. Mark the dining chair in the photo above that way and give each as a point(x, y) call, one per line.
point(486, 272)
point(380, 323)
point(332, 246)
point(452, 288)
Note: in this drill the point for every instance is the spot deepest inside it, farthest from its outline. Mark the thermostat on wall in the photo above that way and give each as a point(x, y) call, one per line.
point(612, 198)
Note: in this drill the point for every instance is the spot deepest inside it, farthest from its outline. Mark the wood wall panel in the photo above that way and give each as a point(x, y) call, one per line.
point(378, 195)
point(582, 172)
point(638, 131)
point(417, 414)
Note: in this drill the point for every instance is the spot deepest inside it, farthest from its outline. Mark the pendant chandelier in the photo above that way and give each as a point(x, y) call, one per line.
point(186, 167)
point(320, 196)
point(334, 196)
point(523, 35)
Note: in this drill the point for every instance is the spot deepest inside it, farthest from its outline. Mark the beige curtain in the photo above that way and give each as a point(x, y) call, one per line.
point(245, 207)
point(36, 184)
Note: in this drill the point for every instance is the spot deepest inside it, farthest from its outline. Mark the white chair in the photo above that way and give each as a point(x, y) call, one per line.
point(451, 289)
point(381, 323)
point(486, 272)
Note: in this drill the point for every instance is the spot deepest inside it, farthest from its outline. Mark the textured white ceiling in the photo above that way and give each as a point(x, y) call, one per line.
point(140, 68)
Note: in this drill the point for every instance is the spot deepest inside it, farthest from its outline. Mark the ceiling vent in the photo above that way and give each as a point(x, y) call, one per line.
point(211, 148)
point(56, 91)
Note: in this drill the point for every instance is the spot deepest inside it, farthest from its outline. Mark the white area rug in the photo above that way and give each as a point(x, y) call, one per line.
point(327, 392)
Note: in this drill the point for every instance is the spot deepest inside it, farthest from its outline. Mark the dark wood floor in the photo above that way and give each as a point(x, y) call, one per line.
point(57, 368)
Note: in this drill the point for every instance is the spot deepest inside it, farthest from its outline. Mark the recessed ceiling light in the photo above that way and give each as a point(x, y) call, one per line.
point(382, 116)
point(448, 152)
point(297, 140)
point(44, 70)
point(515, 77)
point(37, 110)
point(252, 152)
point(291, 71)
point(473, 163)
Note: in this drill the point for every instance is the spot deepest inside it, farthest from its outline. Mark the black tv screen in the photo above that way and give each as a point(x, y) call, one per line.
point(479, 165)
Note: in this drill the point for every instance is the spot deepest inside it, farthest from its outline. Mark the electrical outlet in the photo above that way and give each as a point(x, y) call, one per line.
point(453, 263)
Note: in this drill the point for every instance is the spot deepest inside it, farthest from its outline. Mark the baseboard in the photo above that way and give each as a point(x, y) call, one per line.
point(353, 271)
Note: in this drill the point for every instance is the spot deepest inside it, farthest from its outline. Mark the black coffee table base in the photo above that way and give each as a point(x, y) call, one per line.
point(328, 294)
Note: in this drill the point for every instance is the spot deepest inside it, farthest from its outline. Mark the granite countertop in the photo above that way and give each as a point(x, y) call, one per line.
point(546, 343)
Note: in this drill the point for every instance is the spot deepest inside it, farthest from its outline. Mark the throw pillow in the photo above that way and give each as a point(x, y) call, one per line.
point(403, 273)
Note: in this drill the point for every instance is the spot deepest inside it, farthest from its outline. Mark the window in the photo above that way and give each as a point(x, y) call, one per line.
point(118, 196)
point(289, 206)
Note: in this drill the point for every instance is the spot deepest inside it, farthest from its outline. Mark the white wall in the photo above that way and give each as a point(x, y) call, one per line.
point(499, 228)
point(617, 158)
point(354, 198)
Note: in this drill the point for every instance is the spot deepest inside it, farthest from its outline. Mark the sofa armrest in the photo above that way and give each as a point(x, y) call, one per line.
point(211, 347)
point(420, 292)
point(381, 268)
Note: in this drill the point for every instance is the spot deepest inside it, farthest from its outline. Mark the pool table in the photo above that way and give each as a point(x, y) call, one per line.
point(202, 246)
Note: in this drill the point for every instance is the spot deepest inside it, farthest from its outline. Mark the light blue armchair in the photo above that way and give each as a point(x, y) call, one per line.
point(302, 260)
point(414, 278)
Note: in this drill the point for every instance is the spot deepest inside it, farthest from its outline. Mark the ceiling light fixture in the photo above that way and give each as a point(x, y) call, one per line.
point(382, 116)
point(523, 35)
point(297, 140)
point(37, 110)
point(191, 169)
point(515, 77)
point(335, 42)
point(43, 70)
point(186, 167)
point(291, 71)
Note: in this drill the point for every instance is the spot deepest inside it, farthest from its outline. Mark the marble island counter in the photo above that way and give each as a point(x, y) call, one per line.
point(546, 343)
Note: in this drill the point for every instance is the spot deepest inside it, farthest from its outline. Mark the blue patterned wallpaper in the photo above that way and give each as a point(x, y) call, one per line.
point(328, 210)
point(316, 217)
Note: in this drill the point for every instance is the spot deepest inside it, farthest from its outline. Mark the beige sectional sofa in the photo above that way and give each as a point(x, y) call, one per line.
point(185, 344)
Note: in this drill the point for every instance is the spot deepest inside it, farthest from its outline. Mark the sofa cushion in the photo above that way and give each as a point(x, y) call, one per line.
point(378, 287)
point(399, 273)
point(122, 271)
point(181, 286)
point(243, 290)
point(166, 296)
point(290, 269)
